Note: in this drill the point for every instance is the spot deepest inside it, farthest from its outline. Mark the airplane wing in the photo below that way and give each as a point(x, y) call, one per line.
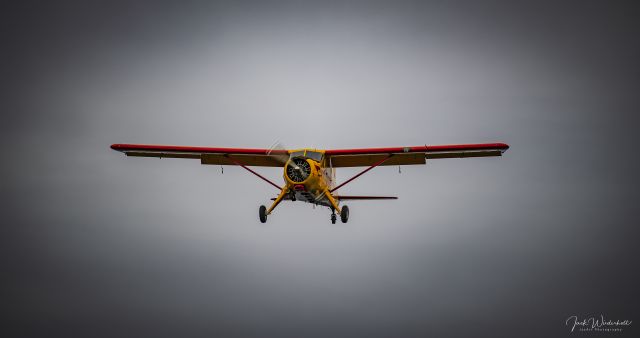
point(207, 155)
point(363, 157)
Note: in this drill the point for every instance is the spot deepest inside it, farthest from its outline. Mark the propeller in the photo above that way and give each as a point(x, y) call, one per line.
point(278, 153)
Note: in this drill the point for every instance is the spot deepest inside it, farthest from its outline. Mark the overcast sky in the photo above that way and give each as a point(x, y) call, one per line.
point(97, 244)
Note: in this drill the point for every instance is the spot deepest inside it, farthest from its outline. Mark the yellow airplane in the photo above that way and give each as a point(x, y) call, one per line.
point(309, 174)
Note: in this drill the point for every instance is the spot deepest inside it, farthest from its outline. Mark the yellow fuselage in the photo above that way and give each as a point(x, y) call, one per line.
point(314, 186)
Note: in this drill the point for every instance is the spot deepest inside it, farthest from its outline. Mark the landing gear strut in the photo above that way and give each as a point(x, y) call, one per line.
point(262, 212)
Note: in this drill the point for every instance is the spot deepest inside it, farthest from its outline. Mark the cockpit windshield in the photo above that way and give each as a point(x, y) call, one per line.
point(297, 154)
point(314, 155)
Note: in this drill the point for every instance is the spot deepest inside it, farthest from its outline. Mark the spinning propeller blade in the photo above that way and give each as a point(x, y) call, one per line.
point(278, 153)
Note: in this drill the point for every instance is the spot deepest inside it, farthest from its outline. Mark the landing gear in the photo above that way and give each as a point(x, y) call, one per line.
point(333, 216)
point(262, 212)
point(344, 214)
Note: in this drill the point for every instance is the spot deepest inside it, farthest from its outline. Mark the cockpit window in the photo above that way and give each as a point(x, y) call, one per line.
point(314, 155)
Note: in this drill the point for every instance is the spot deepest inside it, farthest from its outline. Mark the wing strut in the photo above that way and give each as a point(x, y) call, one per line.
point(362, 172)
point(251, 171)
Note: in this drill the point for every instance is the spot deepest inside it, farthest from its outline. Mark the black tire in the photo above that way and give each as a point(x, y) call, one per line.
point(344, 214)
point(333, 218)
point(262, 212)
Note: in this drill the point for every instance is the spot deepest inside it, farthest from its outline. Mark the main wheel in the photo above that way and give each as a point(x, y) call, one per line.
point(344, 214)
point(333, 218)
point(262, 212)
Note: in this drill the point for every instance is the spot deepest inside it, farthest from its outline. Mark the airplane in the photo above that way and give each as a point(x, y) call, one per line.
point(310, 174)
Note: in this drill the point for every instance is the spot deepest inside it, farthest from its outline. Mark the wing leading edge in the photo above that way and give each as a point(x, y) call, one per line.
point(359, 157)
point(207, 155)
point(410, 155)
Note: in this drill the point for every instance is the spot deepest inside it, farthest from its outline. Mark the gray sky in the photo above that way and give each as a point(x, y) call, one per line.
point(99, 244)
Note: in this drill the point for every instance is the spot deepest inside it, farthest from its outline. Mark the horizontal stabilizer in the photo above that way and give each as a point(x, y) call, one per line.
point(344, 198)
